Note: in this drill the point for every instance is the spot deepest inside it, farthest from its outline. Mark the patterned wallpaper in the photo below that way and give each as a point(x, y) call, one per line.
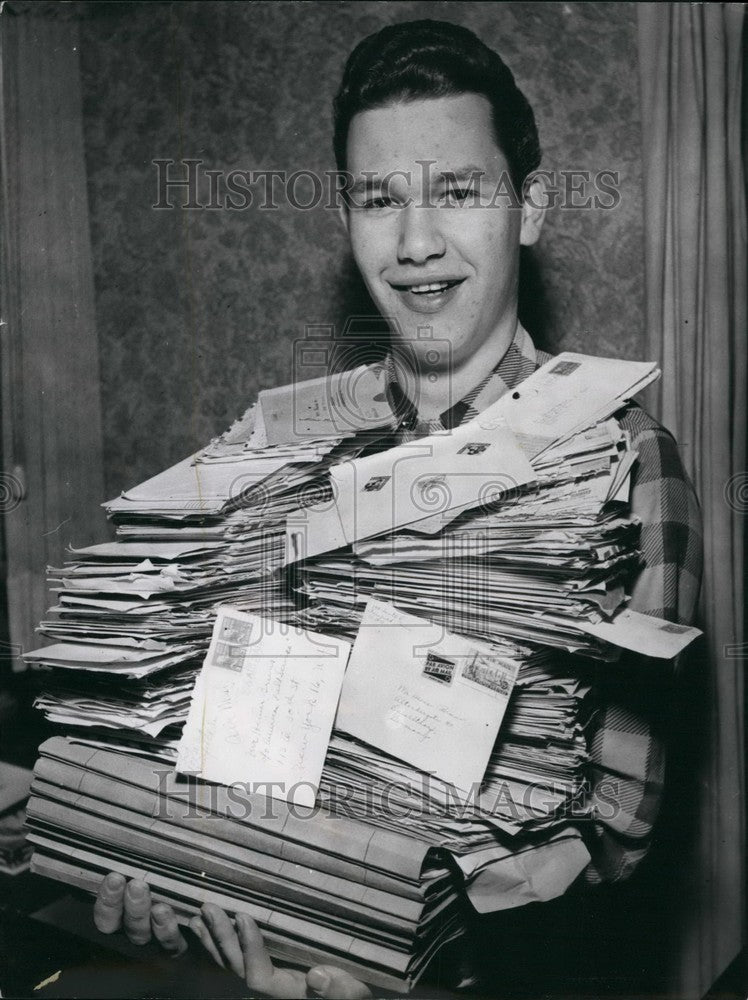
point(199, 309)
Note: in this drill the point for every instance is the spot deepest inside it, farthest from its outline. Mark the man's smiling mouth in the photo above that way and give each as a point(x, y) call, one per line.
point(428, 296)
point(432, 288)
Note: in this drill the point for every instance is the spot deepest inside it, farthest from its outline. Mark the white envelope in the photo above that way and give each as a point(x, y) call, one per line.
point(334, 405)
point(410, 483)
point(567, 394)
point(263, 706)
point(643, 634)
point(431, 698)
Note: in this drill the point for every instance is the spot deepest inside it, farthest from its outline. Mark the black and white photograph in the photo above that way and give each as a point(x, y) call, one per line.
point(372, 500)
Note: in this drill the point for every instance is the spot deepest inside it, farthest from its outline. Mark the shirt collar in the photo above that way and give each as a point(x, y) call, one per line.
point(518, 362)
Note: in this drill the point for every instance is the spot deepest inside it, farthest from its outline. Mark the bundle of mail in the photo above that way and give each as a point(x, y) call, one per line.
point(385, 636)
point(323, 888)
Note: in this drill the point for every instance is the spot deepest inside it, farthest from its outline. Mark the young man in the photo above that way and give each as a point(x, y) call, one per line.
point(436, 136)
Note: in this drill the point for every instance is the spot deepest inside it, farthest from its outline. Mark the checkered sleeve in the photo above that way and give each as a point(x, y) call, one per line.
point(628, 745)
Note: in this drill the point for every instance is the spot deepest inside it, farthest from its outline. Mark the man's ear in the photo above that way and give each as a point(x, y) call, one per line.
point(534, 206)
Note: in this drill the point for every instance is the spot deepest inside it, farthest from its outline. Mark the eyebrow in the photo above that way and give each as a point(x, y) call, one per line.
point(465, 173)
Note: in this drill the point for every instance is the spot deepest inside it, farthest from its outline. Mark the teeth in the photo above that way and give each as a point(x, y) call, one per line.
point(436, 287)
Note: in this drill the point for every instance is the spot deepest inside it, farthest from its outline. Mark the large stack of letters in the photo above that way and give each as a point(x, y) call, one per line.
point(339, 682)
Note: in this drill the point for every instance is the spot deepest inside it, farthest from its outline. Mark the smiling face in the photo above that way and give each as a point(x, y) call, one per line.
point(437, 246)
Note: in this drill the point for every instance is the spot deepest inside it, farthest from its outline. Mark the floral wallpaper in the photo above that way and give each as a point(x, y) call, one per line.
point(197, 309)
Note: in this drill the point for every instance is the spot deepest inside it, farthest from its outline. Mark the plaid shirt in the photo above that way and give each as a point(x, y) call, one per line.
point(627, 748)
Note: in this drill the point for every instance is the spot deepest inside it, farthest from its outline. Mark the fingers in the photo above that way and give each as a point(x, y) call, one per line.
point(243, 951)
point(166, 929)
point(109, 903)
point(137, 913)
point(224, 937)
point(258, 967)
point(334, 984)
point(120, 904)
point(129, 905)
point(203, 935)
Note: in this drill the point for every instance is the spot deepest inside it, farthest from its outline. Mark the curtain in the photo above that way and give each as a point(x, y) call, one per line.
point(695, 264)
point(51, 483)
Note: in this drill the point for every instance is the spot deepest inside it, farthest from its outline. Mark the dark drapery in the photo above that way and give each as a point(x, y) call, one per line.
point(52, 484)
point(695, 261)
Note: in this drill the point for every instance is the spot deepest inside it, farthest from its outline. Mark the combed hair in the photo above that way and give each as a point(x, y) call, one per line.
point(422, 59)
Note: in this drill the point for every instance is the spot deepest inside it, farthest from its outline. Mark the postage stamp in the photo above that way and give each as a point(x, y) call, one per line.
point(489, 673)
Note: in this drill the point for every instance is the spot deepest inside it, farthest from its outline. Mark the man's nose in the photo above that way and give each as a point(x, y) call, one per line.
point(421, 238)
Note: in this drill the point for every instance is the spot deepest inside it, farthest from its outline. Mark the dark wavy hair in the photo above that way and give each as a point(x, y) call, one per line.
point(421, 59)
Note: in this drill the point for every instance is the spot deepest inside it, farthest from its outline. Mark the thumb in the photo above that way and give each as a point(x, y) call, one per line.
point(334, 984)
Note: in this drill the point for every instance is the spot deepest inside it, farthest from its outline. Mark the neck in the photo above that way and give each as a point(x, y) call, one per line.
point(432, 396)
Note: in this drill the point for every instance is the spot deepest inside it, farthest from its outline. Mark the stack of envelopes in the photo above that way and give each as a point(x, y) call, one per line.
point(133, 617)
point(322, 888)
point(534, 781)
point(516, 544)
point(536, 565)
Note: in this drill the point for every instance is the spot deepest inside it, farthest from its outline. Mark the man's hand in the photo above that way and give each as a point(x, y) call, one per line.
point(122, 905)
point(243, 951)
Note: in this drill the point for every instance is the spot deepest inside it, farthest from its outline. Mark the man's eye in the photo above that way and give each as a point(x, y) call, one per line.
point(379, 202)
point(459, 195)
